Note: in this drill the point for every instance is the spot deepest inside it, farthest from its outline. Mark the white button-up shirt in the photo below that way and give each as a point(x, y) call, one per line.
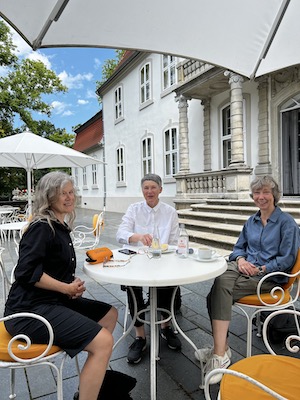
point(140, 218)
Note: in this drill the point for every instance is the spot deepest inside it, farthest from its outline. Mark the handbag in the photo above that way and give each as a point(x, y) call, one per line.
point(96, 256)
point(115, 386)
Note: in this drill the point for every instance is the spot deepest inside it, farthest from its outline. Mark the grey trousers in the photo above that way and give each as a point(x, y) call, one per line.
point(230, 287)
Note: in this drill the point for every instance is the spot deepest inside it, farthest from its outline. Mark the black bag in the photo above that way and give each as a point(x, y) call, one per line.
point(116, 386)
point(280, 326)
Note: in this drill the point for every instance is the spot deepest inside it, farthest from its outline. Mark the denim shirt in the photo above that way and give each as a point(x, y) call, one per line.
point(274, 245)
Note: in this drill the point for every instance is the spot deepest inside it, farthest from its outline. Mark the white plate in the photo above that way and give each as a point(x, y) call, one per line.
point(170, 249)
point(214, 257)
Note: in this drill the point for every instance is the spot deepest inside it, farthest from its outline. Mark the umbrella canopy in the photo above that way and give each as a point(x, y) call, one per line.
point(251, 37)
point(29, 151)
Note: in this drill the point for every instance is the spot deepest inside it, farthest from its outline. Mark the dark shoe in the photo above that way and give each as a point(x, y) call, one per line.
point(172, 340)
point(134, 355)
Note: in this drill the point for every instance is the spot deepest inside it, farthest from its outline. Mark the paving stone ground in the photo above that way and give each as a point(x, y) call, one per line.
point(178, 373)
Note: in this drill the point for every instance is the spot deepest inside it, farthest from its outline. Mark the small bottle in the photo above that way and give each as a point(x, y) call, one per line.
point(156, 249)
point(183, 242)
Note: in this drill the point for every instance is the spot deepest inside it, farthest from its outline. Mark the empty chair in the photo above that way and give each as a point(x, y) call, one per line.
point(263, 376)
point(88, 237)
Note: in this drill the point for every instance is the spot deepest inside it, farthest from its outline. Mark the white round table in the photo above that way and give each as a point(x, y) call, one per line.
point(169, 270)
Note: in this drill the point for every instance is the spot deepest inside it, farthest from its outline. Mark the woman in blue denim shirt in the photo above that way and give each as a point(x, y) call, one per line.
point(269, 242)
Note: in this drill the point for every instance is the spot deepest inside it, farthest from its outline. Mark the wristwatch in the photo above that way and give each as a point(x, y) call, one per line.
point(260, 271)
point(238, 258)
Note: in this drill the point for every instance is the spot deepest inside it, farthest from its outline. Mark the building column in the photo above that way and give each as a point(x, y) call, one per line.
point(236, 113)
point(206, 134)
point(184, 165)
point(264, 165)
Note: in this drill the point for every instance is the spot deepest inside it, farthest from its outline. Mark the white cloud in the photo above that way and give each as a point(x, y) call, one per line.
point(90, 94)
point(59, 107)
point(76, 81)
point(23, 50)
point(82, 102)
point(97, 63)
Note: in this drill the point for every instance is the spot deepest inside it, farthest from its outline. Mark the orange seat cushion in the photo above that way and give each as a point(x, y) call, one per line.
point(279, 373)
point(34, 351)
point(253, 299)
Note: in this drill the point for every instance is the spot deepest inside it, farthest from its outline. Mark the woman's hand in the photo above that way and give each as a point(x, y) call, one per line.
point(246, 268)
point(76, 288)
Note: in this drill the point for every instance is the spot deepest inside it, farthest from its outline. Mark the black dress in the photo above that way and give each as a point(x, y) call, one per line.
point(74, 321)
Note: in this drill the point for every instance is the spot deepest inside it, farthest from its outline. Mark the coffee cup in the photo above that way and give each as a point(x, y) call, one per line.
point(205, 253)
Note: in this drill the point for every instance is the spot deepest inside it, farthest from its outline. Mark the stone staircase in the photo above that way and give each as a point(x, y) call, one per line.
point(218, 223)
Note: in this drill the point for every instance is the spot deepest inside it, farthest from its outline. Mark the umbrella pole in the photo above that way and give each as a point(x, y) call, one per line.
point(29, 191)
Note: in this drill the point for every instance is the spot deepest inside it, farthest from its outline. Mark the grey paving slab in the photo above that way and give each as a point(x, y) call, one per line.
point(178, 373)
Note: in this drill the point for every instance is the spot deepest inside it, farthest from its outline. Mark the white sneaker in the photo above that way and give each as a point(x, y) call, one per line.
point(207, 352)
point(216, 362)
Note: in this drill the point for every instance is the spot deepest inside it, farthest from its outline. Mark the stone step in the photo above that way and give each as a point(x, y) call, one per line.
point(218, 222)
point(214, 227)
point(226, 218)
point(214, 240)
point(239, 209)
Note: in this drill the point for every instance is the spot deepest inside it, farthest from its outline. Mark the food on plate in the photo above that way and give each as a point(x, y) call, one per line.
point(164, 246)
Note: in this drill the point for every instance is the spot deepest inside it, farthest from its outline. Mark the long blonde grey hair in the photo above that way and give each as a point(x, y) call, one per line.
point(47, 192)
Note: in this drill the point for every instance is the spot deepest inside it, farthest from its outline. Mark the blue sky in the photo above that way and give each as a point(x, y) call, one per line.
point(79, 69)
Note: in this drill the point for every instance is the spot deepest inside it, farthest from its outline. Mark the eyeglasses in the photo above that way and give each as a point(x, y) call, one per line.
point(115, 263)
point(145, 250)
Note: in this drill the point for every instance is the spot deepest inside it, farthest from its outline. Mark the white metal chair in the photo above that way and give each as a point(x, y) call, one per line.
point(280, 297)
point(18, 352)
point(85, 237)
point(263, 376)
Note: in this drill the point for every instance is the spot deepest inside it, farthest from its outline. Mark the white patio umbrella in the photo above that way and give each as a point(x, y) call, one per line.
point(251, 37)
point(29, 151)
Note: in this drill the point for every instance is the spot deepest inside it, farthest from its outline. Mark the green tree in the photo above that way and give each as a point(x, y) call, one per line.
point(23, 87)
point(108, 68)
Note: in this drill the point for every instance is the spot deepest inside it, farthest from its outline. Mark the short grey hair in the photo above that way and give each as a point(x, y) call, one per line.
point(152, 177)
point(260, 181)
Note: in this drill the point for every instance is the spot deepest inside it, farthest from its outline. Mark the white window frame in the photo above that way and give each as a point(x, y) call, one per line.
point(145, 84)
point(171, 151)
point(147, 155)
point(94, 175)
point(120, 164)
point(169, 71)
point(118, 103)
point(84, 178)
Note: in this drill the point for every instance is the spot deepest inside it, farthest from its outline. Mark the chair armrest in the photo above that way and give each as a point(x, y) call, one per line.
point(27, 342)
point(289, 342)
point(277, 292)
point(241, 376)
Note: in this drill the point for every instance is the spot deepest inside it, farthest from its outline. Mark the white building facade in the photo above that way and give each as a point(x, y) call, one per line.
point(206, 131)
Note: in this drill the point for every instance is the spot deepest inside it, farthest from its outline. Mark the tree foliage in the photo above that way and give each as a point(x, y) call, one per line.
point(108, 68)
point(23, 86)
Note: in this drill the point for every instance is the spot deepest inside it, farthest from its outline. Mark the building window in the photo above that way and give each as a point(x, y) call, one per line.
point(171, 152)
point(94, 174)
point(76, 179)
point(145, 83)
point(118, 103)
point(84, 177)
point(147, 155)
point(169, 71)
point(120, 165)
point(226, 136)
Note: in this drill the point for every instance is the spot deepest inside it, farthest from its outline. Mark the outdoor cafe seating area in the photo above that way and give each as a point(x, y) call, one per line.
point(178, 374)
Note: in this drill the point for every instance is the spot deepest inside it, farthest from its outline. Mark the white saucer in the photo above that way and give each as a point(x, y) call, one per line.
point(213, 258)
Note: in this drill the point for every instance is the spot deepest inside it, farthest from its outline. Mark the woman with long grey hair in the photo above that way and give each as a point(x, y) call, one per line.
point(45, 283)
